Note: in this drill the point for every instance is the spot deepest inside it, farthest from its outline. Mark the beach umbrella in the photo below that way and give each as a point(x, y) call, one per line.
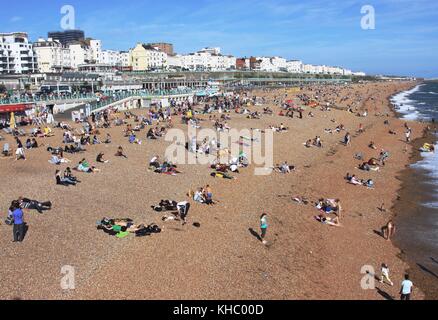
point(290, 103)
point(12, 123)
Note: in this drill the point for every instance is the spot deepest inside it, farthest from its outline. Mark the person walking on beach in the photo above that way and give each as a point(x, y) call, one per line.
point(388, 231)
point(408, 134)
point(18, 228)
point(263, 227)
point(347, 139)
point(406, 289)
point(385, 275)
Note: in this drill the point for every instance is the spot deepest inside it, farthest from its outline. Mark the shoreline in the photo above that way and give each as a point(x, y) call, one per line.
point(411, 196)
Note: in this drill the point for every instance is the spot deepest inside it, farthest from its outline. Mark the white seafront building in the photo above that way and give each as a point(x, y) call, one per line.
point(52, 56)
point(16, 54)
point(271, 64)
point(207, 59)
point(294, 66)
point(81, 54)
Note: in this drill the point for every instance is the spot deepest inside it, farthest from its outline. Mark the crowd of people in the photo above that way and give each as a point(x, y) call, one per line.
point(154, 126)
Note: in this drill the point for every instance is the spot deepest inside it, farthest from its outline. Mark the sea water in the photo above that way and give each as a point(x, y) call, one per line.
point(418, 231)
point(421, 103)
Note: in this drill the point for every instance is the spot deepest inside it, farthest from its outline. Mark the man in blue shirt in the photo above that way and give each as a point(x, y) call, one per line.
point(18, 228)
point(406, 289)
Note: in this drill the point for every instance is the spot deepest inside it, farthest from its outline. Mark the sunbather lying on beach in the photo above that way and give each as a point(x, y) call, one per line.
point(166, 205)
point(222, 175)
point(353, 180)
point(367, 167)
point(328, 206)
point(73, 149)
point(167, 169)
point(121, 228)
point(358, 182)
point(220, 167)
point(133, 139)
point(58, 160)
point(154, 163)
point(334, 222)
point(285, 168)
point(301, 200)
point(29, 204)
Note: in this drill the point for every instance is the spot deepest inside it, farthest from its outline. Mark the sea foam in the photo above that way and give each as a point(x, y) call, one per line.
point(406, 106)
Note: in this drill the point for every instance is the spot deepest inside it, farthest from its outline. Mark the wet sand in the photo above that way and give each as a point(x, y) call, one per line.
point(416, 224)
point(222, 259)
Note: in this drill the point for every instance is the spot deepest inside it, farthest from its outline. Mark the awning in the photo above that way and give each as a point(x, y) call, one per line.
point(15, 107)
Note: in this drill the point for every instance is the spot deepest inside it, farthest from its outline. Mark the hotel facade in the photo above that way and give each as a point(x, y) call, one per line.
point(16, 54)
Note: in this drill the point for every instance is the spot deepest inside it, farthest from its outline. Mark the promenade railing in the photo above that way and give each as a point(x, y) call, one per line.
point(116, 97)
point(93, 97)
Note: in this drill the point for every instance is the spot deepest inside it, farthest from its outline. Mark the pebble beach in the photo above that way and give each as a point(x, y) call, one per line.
point(222, 259)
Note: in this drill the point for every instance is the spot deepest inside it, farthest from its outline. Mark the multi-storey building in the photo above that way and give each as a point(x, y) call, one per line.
point(111, 58)
point(294, 66)
point(52, 56)
point(16, 54)
point(167, 48)
point(80, 53)
point(243, 64)
point(204, 60)
point(68, 36)
point(125, 59)
point(96, 50)
point(144, 57)
point(272, 64)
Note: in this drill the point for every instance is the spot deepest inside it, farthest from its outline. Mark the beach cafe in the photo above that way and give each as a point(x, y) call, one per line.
point(9, 112)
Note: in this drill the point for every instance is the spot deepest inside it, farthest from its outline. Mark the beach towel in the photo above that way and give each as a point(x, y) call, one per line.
point(122, 235)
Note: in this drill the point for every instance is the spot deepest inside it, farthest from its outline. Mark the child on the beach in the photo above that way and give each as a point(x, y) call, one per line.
point(264, 227)
point(385, 275)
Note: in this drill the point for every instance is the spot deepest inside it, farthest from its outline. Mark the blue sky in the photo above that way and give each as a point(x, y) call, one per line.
point(404, 42)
